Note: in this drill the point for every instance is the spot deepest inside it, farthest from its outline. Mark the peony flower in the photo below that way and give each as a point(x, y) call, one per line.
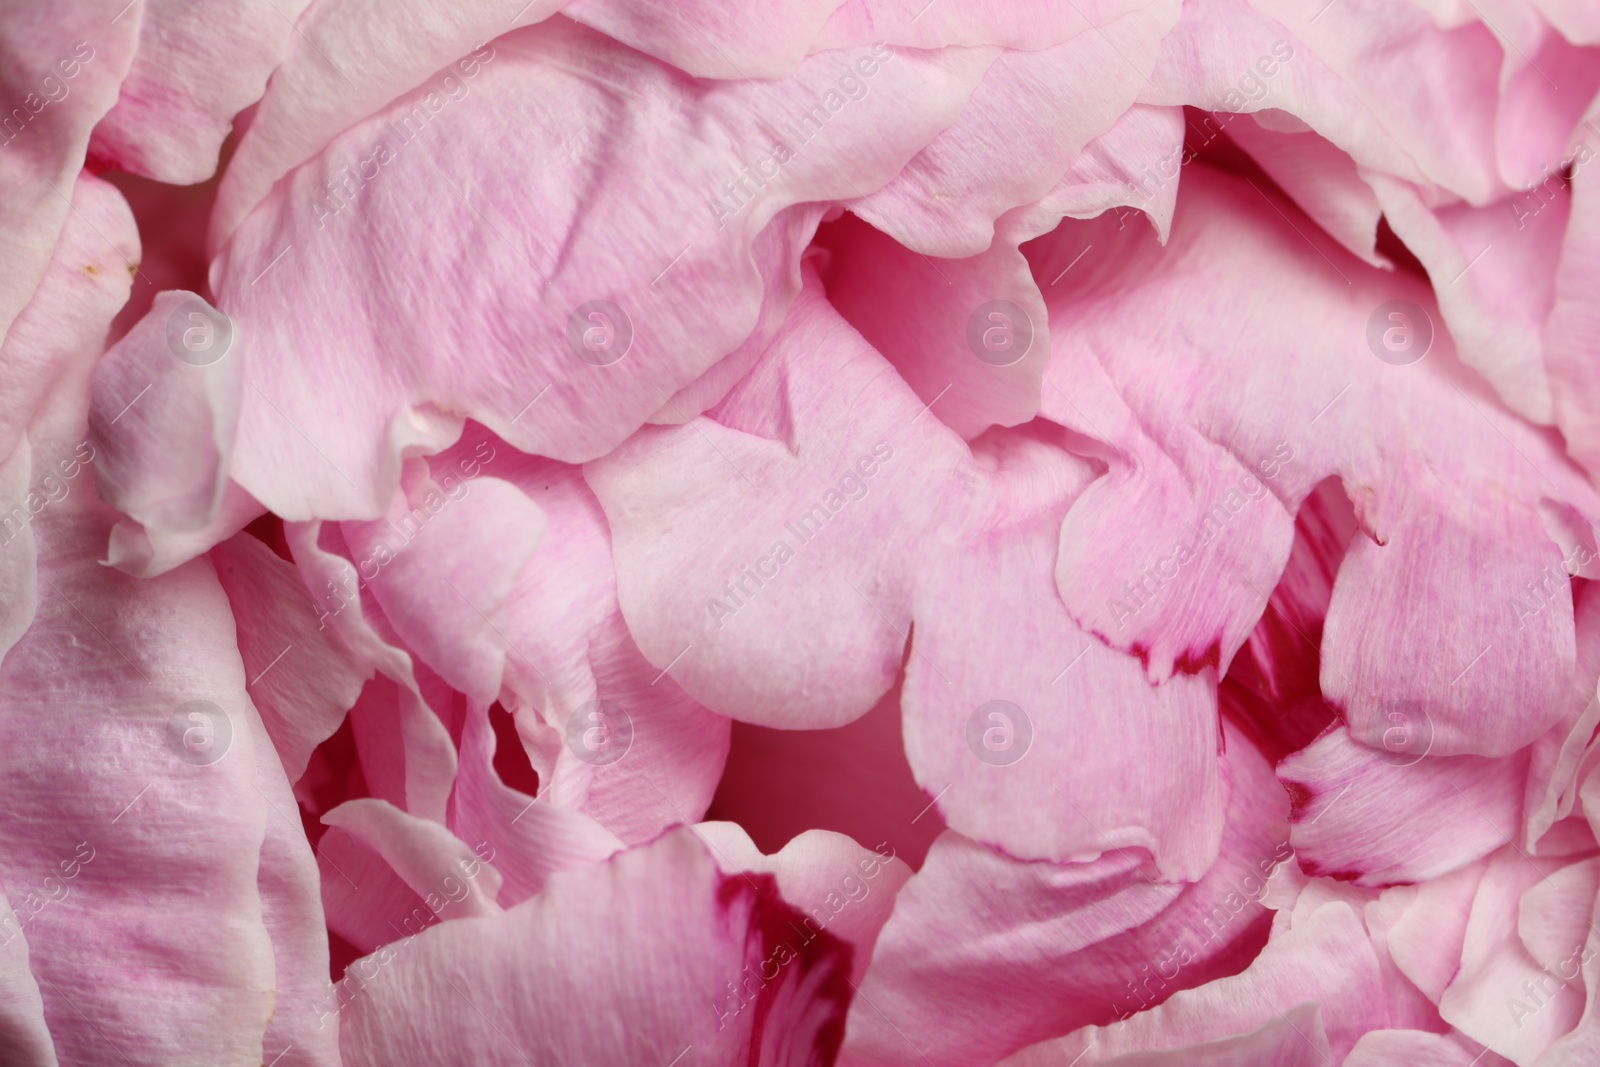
point(867, 533)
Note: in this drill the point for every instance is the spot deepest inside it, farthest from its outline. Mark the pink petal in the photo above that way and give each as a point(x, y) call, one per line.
point(348, 60)
point(486, 990)
point(42, 156)
point(838, 885)
point(399, 382)
point(198, 65)
point(1294, 1039)
point(1487, 1000)
point(291, 909)
point(24, 1038)
point(1426, 934)
point(55, 338)
point(1492, 269)
point(1028, 27)
point(1321, 178)
point(1378, 817)
point(1252, 428)
point(945, 201)
point(165, 407)
point(303, 704)
point(1325, 960)
point(803, 640)
point(1379, 1048)
point(985, 954)
point(406, 752)
point(1574, 322)
point(526, 841)
point(926, 316)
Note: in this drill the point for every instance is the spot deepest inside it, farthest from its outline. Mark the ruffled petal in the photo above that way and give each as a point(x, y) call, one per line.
point(537, 380)
point(199, 63)
point(303, 704)
point(835, 883)
point(1325, 960)
point(1201, 504)
point(702, 960)
point(1379, 817)
point(62, 66)
point(985, 954)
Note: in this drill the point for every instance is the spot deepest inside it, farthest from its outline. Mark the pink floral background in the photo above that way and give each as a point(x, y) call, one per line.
point(889, 533)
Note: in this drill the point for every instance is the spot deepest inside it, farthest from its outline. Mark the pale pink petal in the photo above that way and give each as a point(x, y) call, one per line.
point(1418, 1048)
point(1493, 271)
point(441, 564)
point(716, 38)
point(1501, 996)
point(1581, 1044)
point(406, 751)
point(439, 867)
point(1572, 334)
point(163, 416)
point(916, 24)
point(59, 75)
point(113, 817)
point(304, 702)
point(1553, 919)
point(147, 552)
point(118, 826)
point(836, 884)
point(1231, 56)
point(1294, 1039)
point(1554, 760)
point(702, 960)
point(1083, 707)
point(1320, 177)
point(297, 1035)
point(496, 572)
point(402, 386)
point(367, 903)
point(199, 63)
point(349, 59)
point(55, 337)
point(1134, 164)
point(1428, 927)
